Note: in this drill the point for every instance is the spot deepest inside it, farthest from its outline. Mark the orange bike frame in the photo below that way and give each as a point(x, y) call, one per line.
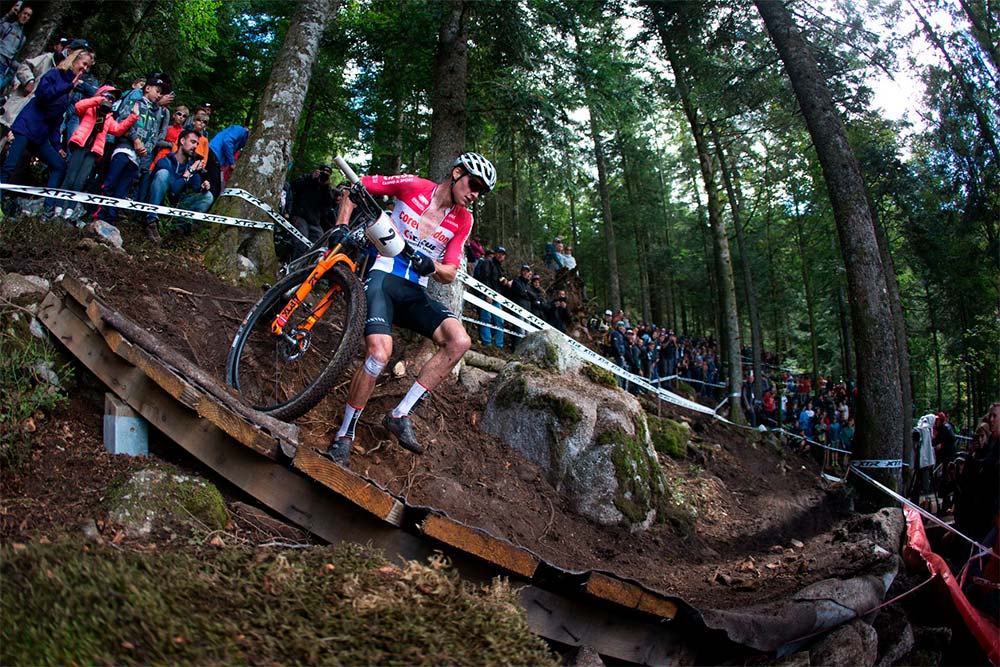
point(331, 259)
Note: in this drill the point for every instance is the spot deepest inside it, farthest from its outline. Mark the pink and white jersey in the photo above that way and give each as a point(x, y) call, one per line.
point(413, 196)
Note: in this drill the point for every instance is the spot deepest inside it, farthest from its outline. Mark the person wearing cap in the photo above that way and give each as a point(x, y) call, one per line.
point(558, 311)
point(86, 145)
point(36, 128)
point(537, 295)
point(520, 288)
point(434, 221)
point(311, 200)
point(134, 149)
point(177, 122)
point(28, 74)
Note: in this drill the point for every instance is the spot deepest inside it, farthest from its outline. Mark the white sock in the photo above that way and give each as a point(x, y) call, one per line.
point(351, 417)
point(415, 393)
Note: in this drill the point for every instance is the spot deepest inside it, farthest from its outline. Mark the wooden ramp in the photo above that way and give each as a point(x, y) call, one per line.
point(261, 455)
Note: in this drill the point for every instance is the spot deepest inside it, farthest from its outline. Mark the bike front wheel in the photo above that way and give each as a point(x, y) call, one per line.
point(286, 375)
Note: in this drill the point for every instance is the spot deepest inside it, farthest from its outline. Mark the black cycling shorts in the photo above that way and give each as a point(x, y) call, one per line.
point(395, 300)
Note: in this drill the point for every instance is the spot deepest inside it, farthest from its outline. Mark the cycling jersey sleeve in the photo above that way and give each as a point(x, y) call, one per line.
point(453, 251)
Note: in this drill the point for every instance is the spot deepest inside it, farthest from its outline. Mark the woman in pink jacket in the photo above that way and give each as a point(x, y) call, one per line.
point(86, 146)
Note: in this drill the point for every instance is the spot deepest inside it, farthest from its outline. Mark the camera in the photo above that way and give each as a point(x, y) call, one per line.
point(324, 177)
point(104, 108)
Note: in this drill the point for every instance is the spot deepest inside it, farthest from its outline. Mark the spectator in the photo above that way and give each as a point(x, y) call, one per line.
point(28, 74)
point(179, 177)
point(37, 126)
point(559, 316)
point(177, 120)
point(490, 272)
point(846, 441)
point(133, 149)
point(11, 40)
point(163, 120)
point(86, 87)
point(86, 145)
point(943, 440)
point(520, 288)
point(569, 261)
point(537, 296)
point(312, 200)
point(474, 251)
point(222, 158)
point(769, 409)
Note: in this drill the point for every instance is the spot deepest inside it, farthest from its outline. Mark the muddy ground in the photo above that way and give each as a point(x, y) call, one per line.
point(765, 524)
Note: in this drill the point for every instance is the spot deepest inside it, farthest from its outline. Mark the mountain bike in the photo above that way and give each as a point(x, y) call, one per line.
point(302, 335)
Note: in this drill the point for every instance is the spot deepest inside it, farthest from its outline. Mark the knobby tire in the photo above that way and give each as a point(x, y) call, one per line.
point(287, 389)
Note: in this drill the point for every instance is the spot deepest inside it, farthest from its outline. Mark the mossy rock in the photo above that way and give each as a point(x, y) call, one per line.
point(669, 437)
point(684, 389)
point(162, 496)
point(600, 376)
point(641, 486)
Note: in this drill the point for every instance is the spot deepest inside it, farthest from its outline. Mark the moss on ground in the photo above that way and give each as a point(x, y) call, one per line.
point(684, 389)
point(598, 375)
point(669, 437)
point(64, 603)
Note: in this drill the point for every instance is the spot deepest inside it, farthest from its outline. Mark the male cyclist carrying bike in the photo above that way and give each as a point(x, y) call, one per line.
point(435, 221)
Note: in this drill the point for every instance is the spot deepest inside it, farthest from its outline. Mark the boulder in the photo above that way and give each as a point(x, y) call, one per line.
point(161, 498)
point(105, 233)
point(590, 441)
point(245, 267)
point(473, 379)
point(22, 290)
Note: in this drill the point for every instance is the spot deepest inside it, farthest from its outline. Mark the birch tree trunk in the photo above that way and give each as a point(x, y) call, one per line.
point(880, 430)
point(263, 161)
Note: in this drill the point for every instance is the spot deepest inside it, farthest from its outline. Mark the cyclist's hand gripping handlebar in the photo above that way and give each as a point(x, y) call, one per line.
point(422, 264)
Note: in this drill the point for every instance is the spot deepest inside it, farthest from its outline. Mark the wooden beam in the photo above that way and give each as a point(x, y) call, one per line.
point(348, 484)
point(474, 541)
point(629, 595)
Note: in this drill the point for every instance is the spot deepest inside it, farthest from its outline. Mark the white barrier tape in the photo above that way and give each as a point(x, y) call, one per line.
point(924, 513)
point(877, 463)
point(509, 332)
point(688, 380)
point(274, 215)
point(581, 350)
point(130, 205)
point(489, 307)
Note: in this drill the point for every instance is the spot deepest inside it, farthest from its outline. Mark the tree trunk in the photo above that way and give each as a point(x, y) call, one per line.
point(451, 69)
point(880, 430)
point(736, 207)
point(263, 161)
point(614, 285)
point(810, 307)
point(723, 262)
point(44, 33)
point(305, 133)
point(641, 242)
point(984, 28)
point(845, 331)
point(668, 257)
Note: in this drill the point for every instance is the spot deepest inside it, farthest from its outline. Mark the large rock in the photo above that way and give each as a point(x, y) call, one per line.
point(158, 498)
point(852, 645)
point(591, 441)
point(22, 290)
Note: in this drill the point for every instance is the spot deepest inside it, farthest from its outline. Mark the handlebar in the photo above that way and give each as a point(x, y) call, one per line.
point(346, 168)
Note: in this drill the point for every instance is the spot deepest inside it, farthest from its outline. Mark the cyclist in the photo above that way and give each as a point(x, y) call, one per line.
point(434, 219)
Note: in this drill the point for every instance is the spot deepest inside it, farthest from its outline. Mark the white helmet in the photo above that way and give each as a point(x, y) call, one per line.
point(477, 165)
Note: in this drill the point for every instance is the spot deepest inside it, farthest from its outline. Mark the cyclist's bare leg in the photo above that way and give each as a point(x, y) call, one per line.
point(378, 349)
point(453, 342)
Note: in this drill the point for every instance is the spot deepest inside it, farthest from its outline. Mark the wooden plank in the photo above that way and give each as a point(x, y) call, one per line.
point(189, 395)
point(359, 491)
point(629, 595)
point(471, 540)
point(81, 293)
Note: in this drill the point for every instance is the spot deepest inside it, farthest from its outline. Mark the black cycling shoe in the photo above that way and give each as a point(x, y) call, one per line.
point(339, 450)
point(402, 428)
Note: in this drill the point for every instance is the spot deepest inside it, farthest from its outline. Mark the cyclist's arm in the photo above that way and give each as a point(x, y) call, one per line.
point(444, 273)
point(344, 211)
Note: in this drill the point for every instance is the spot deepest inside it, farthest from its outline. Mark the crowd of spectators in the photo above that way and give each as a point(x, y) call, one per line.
point(95, 137)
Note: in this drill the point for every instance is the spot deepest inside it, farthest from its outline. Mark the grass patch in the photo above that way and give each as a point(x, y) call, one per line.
point(24, 391)
point(68, 604)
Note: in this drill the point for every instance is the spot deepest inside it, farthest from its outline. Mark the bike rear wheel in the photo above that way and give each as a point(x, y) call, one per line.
point(286, 376)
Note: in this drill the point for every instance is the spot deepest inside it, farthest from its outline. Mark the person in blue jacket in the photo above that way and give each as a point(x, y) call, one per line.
point(37, 126)
point(222, 154)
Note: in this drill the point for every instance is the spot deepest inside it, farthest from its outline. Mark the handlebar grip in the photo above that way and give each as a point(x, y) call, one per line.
point(346, 168)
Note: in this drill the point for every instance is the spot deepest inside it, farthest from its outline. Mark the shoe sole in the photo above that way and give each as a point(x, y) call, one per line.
point(415, 447)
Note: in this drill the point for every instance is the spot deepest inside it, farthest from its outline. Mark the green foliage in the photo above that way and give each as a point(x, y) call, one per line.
point(24, 391)
point(63, 603)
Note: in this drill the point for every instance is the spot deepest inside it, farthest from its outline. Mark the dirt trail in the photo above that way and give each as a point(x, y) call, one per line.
point(750, 500)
